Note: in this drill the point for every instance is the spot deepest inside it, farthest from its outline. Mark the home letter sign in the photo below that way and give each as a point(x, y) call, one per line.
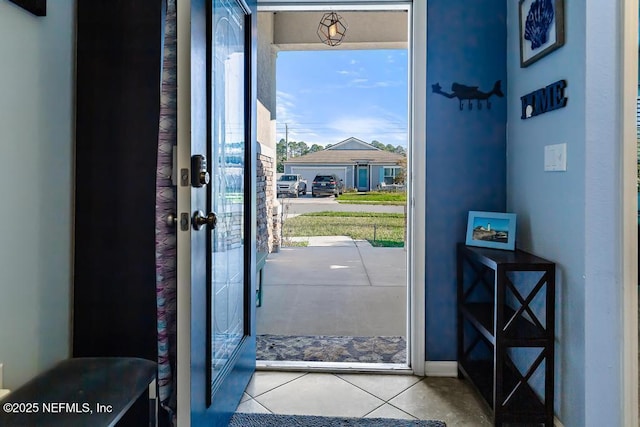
point(544, 100)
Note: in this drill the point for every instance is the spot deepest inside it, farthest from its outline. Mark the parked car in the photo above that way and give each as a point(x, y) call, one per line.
point(291, 185)
point(328, 185)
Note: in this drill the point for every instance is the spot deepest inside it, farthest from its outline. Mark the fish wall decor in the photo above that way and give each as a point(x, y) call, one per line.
point(469, 94)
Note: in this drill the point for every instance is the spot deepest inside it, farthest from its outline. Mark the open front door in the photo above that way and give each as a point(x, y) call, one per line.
point(216, 203)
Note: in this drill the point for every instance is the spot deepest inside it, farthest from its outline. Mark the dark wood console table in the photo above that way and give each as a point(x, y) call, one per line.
point(506, 319)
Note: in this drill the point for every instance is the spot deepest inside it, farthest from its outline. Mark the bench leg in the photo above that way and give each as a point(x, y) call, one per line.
point(153, 404)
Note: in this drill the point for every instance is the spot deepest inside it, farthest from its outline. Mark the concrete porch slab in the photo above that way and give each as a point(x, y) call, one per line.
point(337, 266)
point(334, 286)
point(332, 310)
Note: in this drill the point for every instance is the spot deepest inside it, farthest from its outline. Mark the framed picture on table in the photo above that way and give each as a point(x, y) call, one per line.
point(491, 230)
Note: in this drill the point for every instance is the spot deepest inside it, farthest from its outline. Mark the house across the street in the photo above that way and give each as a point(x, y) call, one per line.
point(360, 165)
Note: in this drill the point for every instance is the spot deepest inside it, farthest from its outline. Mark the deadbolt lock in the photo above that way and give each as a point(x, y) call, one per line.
point(203, 178)
point(199, 174)
point(200, 220)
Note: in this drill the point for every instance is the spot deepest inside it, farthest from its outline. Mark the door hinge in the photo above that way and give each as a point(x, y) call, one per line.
point(174, 165)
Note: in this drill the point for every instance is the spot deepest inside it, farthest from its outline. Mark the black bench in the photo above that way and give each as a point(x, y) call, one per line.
point(92, 391)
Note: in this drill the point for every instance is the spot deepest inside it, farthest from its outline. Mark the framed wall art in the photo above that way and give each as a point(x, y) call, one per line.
point(37, 7)
point(541, 29)
point(491, 230)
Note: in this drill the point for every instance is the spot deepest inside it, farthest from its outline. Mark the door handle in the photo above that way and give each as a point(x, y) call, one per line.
point(171, 220)
point(200, 220)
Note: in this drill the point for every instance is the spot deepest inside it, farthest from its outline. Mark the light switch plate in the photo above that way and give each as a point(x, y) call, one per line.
point(555, 158)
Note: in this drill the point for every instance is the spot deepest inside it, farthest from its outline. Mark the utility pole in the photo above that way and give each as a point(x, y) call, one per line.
point(286, 138)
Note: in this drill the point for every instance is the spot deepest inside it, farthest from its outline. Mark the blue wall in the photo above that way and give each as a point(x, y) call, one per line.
point(466, 150)
point(550, 205)
point(574, 217)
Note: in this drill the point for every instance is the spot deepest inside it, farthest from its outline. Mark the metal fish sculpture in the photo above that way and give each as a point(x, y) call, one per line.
point(469, 93)
point(538, 22)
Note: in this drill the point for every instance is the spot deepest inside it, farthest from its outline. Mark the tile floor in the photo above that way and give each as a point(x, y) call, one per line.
point(365, 396)
point(351, 293)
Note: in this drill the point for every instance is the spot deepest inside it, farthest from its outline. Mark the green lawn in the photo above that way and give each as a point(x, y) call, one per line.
point(375, 198)
point(381, 229)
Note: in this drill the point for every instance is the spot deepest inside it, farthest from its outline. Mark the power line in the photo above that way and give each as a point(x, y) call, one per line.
point(307, 126)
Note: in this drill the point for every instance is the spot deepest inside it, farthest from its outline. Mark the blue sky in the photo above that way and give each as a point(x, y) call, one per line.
point(328, 96)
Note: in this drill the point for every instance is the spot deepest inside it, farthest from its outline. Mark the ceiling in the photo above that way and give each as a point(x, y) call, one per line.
point(366, 30)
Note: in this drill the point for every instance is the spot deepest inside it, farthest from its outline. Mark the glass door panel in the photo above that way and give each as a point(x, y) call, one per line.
point(227, 198)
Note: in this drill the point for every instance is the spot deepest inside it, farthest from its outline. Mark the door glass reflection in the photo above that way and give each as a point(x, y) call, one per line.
point(227, 182)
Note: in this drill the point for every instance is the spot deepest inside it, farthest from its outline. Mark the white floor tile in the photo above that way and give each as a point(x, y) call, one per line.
point(354, 395)
point(253, 407)
point(388, 411)
point(319, 394)
point(447, 399)
point(262, 382)
point(383, 386)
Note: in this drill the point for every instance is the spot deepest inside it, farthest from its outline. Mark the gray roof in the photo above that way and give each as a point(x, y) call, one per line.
point(336, 155)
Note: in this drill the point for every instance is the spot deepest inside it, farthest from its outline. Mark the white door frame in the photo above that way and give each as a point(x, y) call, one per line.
point(183, 240)
point(417, 188)
point(416, 212)
point(627, 105)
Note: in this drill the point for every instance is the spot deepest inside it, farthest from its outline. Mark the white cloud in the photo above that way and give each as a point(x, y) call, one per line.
point(284, 98)
point(376, 123)
point(299, 129)
point(317, 124)
point(285, 107)
point(388, 130)
point(387, 83)
point(284, 103)
point(362, 83)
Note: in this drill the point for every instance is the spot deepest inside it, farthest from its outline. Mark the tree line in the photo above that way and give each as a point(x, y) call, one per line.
point(286, 151)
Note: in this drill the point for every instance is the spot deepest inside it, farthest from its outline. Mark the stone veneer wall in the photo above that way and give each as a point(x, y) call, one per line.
point(268, 224)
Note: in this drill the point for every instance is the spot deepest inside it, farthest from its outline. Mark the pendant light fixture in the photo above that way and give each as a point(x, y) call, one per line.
point(332, 28)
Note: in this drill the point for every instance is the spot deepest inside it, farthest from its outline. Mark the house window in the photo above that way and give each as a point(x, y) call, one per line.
point(390, 174)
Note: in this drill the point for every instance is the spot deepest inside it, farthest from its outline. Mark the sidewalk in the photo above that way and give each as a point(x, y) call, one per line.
point(334, 286)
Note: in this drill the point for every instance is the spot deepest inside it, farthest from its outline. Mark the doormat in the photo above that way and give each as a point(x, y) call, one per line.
point(273, 420)
point(324, 348)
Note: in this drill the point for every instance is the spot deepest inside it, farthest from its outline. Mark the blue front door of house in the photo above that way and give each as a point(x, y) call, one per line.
point(218, 297)
point(363, 178)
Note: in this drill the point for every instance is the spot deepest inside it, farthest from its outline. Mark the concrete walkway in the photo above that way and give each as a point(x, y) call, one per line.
point(334, 286)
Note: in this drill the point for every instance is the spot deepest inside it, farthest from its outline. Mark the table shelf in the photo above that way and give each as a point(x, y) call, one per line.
point(501, 311)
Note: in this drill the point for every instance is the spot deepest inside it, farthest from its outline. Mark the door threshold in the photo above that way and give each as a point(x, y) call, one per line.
point(334, 367)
